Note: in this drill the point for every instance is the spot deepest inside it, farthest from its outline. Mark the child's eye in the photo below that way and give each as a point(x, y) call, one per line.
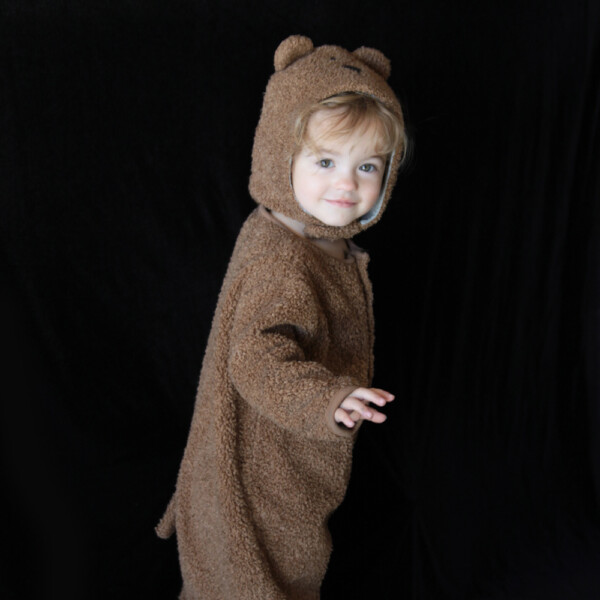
point(368, 168)
point(326, 163)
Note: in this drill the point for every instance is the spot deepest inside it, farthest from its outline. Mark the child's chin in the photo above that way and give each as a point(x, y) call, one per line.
point(336, 222)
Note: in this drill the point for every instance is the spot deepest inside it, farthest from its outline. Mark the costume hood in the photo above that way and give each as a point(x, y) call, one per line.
point(305, 75)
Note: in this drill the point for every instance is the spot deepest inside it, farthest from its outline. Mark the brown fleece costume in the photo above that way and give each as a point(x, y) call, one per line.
point(265, 463)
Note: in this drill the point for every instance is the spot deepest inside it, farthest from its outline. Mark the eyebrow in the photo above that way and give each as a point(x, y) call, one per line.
point(319, 150)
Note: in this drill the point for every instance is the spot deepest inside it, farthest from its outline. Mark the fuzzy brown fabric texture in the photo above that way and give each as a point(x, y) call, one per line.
point(305, 75)
point(265, 463)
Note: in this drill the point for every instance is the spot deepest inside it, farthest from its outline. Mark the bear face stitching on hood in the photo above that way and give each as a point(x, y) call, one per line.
point(303, 76)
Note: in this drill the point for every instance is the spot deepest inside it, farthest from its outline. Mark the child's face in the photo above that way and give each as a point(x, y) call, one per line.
point(340, 181)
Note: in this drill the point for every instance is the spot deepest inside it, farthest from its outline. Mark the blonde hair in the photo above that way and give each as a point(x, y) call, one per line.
point(349, 112)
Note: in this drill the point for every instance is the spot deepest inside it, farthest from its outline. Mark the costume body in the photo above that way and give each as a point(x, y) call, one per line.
point(265, 462)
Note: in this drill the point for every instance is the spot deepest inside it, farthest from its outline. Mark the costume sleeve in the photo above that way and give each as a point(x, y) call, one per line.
point(277, 326)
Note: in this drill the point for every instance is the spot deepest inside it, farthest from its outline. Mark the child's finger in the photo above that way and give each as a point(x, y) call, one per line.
point(358, 409)
point(379, 397)
point(376, 417)
point(387, 395)
point(351, 403)
point(341, 416)
point(356, 416)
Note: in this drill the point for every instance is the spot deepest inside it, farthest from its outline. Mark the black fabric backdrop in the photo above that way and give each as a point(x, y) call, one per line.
point(125, 138)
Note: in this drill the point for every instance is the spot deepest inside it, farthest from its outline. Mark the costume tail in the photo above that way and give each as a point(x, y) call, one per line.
point(166, 526)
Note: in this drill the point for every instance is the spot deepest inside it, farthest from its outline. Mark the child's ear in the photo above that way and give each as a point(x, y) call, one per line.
point(291, 49)
point(375, 59)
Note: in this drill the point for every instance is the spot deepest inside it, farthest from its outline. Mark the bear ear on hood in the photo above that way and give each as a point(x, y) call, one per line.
point(375, 59)
point(291, 49)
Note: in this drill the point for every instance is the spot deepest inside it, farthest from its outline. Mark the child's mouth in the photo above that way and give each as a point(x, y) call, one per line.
point(341, 202)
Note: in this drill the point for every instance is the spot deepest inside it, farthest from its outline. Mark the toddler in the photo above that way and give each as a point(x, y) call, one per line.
point(285, 379)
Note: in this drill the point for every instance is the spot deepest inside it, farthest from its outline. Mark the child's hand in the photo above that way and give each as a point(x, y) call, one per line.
point(356, 406)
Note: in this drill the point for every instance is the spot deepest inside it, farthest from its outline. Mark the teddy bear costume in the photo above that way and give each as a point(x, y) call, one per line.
point(265, 463)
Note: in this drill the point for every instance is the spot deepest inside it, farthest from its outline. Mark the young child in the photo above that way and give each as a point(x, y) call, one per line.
point(286, 375)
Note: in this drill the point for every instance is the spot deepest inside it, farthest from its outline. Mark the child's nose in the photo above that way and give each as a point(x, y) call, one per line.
point(346, 182)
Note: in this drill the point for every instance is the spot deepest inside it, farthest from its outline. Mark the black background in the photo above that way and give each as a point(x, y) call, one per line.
point(125, 138)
